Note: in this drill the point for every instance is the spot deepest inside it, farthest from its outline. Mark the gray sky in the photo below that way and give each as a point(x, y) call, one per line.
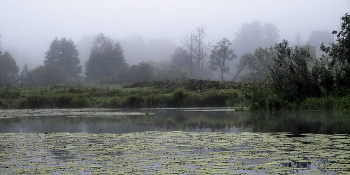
point(29, 26)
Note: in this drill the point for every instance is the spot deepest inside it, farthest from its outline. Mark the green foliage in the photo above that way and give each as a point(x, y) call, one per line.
point(54, 101)
point(8, 93)
point(181, 59)
point(79, 101)
point(258, 64)
point(133, 102)
point(48, 74)
point(336, 61)
point(290, 73)
point(8, 69)
point(178, 97)
point(142, 72)
point(64, 54)
point(220, 55)
point(106, 59)
point(263, 98)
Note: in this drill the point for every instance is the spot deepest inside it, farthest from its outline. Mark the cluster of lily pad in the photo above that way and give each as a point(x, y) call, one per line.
point(173, 152)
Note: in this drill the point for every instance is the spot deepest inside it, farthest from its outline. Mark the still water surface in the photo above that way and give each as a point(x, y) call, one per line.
point(172, 119)
point(215, 140)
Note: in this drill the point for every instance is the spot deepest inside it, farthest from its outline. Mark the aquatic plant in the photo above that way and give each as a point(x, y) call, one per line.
point(173, 152)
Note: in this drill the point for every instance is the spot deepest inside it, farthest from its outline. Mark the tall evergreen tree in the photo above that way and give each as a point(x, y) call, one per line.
point(64, 53)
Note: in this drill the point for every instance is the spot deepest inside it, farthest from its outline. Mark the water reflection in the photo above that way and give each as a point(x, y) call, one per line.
point(193, 120)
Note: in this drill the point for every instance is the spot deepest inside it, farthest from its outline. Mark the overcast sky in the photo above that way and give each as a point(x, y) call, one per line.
point(29, 26)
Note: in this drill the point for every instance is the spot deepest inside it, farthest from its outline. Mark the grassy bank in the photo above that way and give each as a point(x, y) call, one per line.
point(156, 94)
point(189, 93)
point(263, 98)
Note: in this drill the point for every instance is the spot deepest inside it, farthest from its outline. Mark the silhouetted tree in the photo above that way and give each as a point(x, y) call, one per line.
point(181, 59)
point(318, 37)
point(201, 49)
point(220, 55)
point(142, 72)
point(298, 39)
point(8, 69)
point(189, 46)
point(291, 75)
point(24, 74)
point(106, 58)
point(252, 36)
point(270, 35)
point(258, 63)
point(198, 51)
point(64, 54)
point(48, 74)
point(336, 61)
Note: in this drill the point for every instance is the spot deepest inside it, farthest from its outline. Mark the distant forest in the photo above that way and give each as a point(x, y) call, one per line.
point(321, 62)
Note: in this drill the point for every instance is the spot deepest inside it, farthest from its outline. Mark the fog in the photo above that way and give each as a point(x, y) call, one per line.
point(151, 30)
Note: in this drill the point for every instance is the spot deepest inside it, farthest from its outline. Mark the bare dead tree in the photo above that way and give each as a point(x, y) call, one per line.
point(202, 49)
point(188, 43)
point(198, 50)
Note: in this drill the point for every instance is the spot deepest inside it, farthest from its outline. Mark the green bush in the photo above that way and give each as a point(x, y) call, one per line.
point(149, 101)
point(64, 101)
point(264, 99)
point(178, 97)
point(79, 102)
point(133, 102)
point(36, 101)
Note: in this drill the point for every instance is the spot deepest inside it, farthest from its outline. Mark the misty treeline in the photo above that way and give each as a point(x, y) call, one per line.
point(294, 70)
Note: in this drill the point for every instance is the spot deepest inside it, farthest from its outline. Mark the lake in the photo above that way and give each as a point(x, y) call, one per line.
point(172, 119)
point(173, 140)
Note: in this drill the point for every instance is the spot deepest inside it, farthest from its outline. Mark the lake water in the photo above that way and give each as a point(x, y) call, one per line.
point(173, 140)
point(172, 119)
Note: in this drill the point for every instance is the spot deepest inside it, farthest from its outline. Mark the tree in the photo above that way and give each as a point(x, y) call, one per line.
point(24, 74)
point(142, 72)
point(270, 35)
point(181, 59)
point(106, 58)
point(201, 49)
point(336, 61)
point(298, 39)
point(258, 63)
point(48, 74)
point(252, 36)
point(198, 50)
point(220, 55)
point(8, 69)
point(291, 75)
point(64, 53)
point(316, 39)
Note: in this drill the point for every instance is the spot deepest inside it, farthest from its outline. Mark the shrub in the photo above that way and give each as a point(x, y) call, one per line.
point(36, 101)
point(133, 102)
point(178, 97)
point(79, 102)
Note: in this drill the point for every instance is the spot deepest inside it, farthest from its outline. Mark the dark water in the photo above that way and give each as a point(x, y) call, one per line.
point(190, 120)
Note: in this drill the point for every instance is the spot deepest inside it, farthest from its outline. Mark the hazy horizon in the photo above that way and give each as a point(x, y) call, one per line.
point(28, 27)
